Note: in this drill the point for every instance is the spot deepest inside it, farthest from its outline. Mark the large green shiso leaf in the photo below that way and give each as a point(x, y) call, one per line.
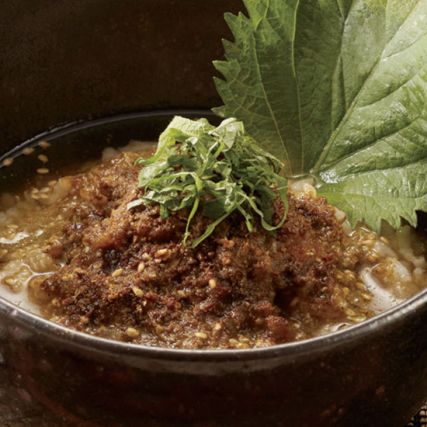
point(337, 89)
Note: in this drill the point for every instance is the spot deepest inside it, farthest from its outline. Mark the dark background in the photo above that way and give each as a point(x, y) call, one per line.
point(63, 60)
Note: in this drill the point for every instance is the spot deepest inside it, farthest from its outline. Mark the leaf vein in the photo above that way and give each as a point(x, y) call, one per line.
point(354, 102)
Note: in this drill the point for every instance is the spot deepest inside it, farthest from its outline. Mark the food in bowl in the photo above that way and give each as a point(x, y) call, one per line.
point(85, 251)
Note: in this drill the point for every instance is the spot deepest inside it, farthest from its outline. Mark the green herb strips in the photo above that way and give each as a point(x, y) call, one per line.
point(338, 90)
point(214, 171)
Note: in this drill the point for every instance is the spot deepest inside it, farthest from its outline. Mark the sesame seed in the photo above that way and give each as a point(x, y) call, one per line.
point(233, 342)
point(7, 162)
point(42, 171)
point(228, 244)
point(9, 282)
point(243, 345)
point(145, 256)
point(361, 286)
point(161, 253)
point(217, 327)
point(373, 257)
point(201, 335)
point(28, 151)
point(294, 302)
point(141, 267)
point(358, 319)
point(117, 273)
point(349, 274)
point(349, 312)
point(366, 296)
point(132, 333)
point(44, 144)
point(137, 291)
point(212, 283)
point(43, 158)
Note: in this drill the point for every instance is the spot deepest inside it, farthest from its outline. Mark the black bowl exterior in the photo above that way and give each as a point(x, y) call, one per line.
point(71, 59)
point(372, 375)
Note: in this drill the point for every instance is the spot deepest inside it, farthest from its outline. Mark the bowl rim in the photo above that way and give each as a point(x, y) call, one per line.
point(67, 336)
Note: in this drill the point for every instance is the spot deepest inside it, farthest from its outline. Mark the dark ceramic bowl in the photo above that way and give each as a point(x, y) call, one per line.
point(72, 60)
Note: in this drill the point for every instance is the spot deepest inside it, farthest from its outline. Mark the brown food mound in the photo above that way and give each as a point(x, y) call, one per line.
point(128, 276)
